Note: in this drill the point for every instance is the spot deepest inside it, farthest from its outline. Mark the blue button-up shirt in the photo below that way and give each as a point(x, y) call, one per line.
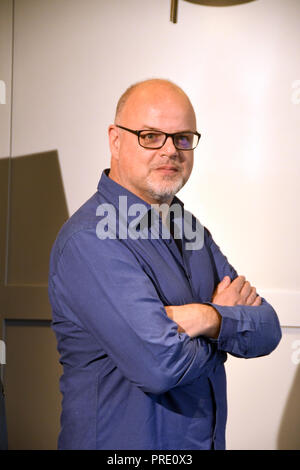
point(130, 379)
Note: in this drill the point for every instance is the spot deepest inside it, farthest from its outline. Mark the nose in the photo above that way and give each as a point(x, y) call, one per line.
point(169, 148)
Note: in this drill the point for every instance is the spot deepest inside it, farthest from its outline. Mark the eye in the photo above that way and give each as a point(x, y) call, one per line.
point(151, 138)
point(184, 140)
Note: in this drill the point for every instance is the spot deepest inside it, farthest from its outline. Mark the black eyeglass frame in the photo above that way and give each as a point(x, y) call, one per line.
point(138, 133)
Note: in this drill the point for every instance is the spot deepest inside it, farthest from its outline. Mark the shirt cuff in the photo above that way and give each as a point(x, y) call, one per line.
point(228, 330)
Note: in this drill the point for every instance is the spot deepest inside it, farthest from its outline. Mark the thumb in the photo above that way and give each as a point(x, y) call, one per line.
point(223, 284)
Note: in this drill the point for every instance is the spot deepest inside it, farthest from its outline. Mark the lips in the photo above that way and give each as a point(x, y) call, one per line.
point(168, 168)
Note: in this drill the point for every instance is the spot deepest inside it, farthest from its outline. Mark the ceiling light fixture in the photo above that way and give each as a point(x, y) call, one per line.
point(212, 3)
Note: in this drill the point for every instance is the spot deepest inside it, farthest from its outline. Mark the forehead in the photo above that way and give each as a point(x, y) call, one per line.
point(160, 107)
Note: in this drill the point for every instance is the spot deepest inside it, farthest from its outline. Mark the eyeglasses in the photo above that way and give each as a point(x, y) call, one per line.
point(156, 139)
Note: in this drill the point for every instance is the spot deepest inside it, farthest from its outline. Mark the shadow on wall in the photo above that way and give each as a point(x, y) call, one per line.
point(289, 431)
point(37, 211)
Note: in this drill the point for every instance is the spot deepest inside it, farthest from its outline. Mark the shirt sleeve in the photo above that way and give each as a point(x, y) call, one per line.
point(246, 331)
point(100, 286)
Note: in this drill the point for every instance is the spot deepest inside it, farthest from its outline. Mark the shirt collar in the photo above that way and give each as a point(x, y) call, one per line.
point(112, 190)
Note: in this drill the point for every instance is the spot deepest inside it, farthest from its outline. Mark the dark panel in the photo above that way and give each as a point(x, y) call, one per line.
point(31, 385)
point(37, 210)
point(32, 301)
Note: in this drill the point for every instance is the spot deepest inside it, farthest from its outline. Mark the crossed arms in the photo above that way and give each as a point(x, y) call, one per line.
point(106, 294)
point(203, 319)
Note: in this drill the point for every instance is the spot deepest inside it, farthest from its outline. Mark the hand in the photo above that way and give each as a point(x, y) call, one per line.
point(237, 292)
point(195, 319)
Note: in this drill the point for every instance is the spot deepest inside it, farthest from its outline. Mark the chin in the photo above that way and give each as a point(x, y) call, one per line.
point(165, 190)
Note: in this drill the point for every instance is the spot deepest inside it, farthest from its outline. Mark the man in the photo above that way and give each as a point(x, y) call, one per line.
point(144, 321)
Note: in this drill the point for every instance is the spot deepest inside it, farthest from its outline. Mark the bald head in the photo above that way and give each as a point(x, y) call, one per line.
point(151, 89)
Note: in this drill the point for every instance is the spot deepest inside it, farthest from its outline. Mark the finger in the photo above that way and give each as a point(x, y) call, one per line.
point(257, 301)
point(246, 291)
point(251, 297)
point(238, 283)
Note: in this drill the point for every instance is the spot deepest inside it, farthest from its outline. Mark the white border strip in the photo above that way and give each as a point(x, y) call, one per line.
point(2, 353)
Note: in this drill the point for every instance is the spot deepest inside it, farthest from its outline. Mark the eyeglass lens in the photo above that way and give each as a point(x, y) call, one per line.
point(183, 141)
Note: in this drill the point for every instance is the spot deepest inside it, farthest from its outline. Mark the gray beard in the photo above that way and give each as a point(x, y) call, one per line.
point(164, 192)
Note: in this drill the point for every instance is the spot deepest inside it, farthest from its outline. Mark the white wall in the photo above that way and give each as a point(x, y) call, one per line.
point(72, 60)
point(5, 75)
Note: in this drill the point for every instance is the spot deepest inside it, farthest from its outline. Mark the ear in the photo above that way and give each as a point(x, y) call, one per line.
point(114, 141)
